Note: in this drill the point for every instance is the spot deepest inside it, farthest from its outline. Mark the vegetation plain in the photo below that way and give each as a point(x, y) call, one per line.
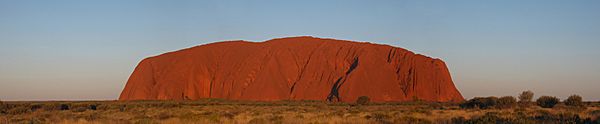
point(476, 110)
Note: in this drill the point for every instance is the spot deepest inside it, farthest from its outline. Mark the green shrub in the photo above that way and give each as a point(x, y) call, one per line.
point(506, 102)
point(362, 100)
point(526, 97)
point(574, 100)
point(480, 102)
point(547, 101)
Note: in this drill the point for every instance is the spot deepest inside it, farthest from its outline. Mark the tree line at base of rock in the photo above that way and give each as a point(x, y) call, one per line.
point(525, 99)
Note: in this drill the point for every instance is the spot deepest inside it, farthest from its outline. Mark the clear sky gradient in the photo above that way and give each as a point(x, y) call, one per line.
point(86, 50)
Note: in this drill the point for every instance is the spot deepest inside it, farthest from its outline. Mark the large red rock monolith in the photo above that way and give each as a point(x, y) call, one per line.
point(297, 68)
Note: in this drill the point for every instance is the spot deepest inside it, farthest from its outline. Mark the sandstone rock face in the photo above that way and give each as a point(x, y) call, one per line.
point(297, 68)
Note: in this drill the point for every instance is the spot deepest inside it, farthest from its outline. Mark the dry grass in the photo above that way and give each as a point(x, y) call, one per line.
point(223, 111)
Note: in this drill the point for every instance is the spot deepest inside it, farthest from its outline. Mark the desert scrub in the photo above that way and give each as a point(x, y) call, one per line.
point(525, 98)
point(80, 107)
point(574, 100)
point(594, 113)
point(489, 118)
point(105, 107)
point(19, 110)
point(382, 118)
point(436, 105)
point(547, 101)
point(164, 115)
point(480, 102)
point(506, 102)
point(3, 108)
point(412, 120)
point(35, 106)
point(146, 121)
point(93, 107)
point(64, 106)
point(258, 121)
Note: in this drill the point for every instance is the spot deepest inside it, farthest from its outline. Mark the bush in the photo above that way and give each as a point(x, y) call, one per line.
point(93, 107)
point(480, 102)
point(574, 100)
point(547, 101)
point(362, 100)
point(506, 102)
point(35, 107)
point(526, 97)
point(64, 107)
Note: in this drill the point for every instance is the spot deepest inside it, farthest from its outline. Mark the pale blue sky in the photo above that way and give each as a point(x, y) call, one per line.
point(86, 50)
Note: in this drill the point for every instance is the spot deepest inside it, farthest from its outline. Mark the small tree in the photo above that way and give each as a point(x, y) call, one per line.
point(506, 102)
point(574, 100)
point(362, 100)
point(526, 97)
point(547, 101)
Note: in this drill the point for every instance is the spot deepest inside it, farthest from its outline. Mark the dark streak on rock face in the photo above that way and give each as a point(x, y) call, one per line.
point(336, 86)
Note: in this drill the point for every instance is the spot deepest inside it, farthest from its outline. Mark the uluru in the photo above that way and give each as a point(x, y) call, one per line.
point(294, 68)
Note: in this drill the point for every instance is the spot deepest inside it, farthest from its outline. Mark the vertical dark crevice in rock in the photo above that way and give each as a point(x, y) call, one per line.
point(389, 58)
point(321, 78)
point(230, 89)
point(304, 67)
point(334, 93)
point(301, 72)
point(414, 82)
point(352, 66)
point(212, 79)
point(408, 82)
point(391, 55)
